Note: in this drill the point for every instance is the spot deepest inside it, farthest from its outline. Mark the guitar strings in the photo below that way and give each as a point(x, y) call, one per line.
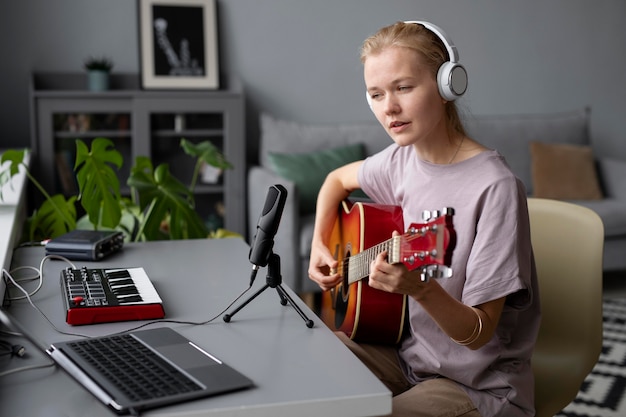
point(361, 261)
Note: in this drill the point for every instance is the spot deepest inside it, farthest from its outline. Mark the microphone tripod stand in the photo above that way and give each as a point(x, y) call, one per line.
point(273, 280)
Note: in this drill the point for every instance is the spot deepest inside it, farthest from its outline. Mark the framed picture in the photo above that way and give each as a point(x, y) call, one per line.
point(178, 42)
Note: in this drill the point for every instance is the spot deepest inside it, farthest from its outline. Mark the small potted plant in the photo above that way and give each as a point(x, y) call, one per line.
point(98, 70)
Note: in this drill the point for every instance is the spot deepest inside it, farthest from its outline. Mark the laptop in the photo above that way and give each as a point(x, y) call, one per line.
point(121, 378)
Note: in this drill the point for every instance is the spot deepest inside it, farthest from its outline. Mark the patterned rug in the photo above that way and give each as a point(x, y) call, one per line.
point(602, 393)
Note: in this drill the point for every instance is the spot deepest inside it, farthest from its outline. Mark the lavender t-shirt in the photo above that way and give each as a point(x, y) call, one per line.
point(492, 259)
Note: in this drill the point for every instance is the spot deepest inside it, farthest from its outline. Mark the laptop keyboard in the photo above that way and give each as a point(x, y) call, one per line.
point(133, 368)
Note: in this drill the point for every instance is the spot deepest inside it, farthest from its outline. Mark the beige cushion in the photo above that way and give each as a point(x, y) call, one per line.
point(564, 172)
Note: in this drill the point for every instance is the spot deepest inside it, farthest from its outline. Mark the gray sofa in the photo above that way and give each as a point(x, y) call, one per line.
point(512, 135)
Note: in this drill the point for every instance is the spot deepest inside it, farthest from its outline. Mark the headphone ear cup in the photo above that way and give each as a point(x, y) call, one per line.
point(452, 80)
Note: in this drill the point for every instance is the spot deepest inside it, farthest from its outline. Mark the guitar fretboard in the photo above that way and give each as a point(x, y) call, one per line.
point(358, 266)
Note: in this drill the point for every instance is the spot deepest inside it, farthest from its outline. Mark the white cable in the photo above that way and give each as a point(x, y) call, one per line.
point(39, 275)
point(27, 296)
point(25, 368)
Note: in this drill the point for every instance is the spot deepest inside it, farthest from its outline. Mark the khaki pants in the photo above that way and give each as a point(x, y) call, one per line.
point(438, 397)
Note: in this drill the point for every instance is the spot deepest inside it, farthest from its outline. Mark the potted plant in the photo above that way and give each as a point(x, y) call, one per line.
point(160, 206)
point(98, 71)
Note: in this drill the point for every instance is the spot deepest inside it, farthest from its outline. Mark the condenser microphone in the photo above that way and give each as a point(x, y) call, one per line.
point(266, 228)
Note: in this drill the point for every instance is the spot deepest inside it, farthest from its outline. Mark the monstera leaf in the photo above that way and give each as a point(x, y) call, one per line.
point(16, 157)
point(55, 217)
point(129, 222)
point(162, 207)
point(98, 182)
point(164, 199)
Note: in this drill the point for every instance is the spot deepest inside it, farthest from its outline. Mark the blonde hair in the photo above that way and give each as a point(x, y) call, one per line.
point(421, 40)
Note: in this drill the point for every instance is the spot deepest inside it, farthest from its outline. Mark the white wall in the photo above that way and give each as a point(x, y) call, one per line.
point(299, 58)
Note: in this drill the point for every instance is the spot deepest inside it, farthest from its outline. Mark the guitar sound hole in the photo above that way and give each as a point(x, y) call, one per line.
point(345, 287)
point(341, 302)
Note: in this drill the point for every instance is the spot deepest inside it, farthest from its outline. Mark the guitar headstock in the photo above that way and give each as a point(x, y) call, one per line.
point(428, 245)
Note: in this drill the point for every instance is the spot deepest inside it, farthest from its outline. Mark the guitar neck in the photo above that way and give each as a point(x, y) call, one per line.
point(358, 266)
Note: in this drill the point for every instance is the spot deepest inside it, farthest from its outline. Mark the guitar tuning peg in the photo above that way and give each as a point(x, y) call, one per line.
point(426, 215)
point(437, 271)
point(435, 213)
point(448, 211)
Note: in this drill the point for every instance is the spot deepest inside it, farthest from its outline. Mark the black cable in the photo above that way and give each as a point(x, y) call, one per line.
point(193, 323)
point(11, 349)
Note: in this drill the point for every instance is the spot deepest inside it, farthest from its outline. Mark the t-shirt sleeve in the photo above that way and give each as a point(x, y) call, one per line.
point(495, 254)
point(377, 175)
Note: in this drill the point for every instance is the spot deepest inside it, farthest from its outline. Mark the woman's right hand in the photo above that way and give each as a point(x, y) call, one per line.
point(323, 267)
point(337, 186)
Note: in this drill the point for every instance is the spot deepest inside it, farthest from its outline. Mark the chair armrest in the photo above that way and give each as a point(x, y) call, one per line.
point(287, 239)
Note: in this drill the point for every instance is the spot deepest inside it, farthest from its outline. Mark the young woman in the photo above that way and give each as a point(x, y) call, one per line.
point(471, 336)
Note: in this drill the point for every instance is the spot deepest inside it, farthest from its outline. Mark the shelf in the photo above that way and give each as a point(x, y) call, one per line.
point(93, 134)
point(144, 123)
point(188, 133)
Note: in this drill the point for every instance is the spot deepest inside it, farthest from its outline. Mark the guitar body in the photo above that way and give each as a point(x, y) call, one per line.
point(361, 312)
point(361, 232)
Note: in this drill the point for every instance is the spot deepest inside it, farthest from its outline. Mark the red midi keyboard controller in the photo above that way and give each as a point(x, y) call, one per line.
point(106, 295)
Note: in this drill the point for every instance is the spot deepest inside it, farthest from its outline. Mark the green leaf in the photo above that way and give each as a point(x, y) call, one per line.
point(16, 158)
point(164, 200)
point(55, 217)
point(141, 179)
point(98, 182)
point(206, 152)
point(129, 223)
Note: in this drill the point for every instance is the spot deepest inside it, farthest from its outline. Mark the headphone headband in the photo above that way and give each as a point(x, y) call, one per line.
point(451, 76)
point(453, 53)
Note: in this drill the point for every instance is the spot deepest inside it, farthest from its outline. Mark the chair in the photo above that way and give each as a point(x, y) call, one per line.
point(567, 241)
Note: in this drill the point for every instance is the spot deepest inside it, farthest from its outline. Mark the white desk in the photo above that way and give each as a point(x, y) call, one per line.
point(297, 371)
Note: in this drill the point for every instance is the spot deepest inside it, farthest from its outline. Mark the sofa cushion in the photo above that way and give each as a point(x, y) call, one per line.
point(293, 137)
point(611, 211)
point(308, 170)
point(564, 172)
point(307, 225)
point(612, 175)
point(511, 135)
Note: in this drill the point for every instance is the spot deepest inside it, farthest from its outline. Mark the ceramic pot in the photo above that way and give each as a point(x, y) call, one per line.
point(98, 80)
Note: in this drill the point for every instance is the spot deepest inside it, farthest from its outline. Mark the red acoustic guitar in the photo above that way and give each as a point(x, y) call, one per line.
point(361, 232)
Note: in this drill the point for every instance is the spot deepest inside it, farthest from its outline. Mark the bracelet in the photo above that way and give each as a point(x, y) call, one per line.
point(478, 329)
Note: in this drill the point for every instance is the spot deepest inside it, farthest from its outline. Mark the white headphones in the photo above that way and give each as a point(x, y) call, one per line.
point(451, 76)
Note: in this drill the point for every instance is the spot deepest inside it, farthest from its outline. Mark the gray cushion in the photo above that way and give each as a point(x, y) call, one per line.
point(613, 178)
point(292, 137)
point(307, 224)
point(511, 135)
point(611, 211)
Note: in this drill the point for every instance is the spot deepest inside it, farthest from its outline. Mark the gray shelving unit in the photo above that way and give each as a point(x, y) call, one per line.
point(142, 122)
